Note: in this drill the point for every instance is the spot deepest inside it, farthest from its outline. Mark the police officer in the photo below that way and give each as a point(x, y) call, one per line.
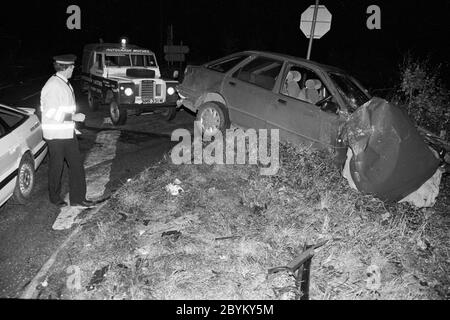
point(58, 124)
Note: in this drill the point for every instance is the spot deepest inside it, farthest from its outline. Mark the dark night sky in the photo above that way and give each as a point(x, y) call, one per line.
point(213, 28)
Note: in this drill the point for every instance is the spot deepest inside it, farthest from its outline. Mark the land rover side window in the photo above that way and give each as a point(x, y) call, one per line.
point(226, 64)
point(261, 71)
point(99, 60)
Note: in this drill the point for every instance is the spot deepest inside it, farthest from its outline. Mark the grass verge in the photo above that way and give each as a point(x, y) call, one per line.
point(218, 238)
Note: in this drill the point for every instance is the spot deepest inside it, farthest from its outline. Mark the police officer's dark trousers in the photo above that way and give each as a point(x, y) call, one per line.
point(60, 150)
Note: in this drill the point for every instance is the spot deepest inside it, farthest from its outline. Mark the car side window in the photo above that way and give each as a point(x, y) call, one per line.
point(227, 64)
point(303, 84)
point(261, 71)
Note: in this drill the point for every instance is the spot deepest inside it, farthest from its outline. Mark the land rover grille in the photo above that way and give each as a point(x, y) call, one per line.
point(147, 90)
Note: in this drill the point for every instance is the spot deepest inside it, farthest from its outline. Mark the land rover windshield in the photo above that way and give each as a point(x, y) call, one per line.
point(129, 60)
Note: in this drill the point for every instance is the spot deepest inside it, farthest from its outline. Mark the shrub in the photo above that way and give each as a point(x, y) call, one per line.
point(423, 94)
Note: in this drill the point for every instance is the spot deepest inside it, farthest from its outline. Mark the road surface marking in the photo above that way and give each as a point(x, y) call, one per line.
point(103, 151)
point(7, 86)
point(31, 95)
point(31, 291)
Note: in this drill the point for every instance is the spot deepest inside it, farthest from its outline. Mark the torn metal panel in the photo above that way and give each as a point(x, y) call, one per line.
point(426, 195)
point(390, 159)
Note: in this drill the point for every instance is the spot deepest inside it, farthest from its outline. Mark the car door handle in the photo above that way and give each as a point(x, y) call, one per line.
point(282, 101)
point(232, 83)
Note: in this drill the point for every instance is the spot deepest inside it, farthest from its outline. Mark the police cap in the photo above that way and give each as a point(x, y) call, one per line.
point(65, 59)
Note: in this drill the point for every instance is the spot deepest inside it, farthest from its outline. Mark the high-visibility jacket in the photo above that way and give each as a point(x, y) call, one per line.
point(57, 107)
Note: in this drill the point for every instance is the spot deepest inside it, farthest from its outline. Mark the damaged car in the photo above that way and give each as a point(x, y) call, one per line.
point(376, 143)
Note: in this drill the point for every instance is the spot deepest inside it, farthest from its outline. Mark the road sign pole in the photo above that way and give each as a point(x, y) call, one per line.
point(313, 26)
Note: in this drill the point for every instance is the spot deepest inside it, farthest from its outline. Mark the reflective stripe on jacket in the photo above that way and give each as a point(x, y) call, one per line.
point(57, 107)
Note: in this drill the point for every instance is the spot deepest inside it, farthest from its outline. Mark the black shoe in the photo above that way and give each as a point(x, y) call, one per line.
point(60, 203)
point(85, 203)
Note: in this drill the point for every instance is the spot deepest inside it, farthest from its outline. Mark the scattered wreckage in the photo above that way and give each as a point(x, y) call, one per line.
point(376, 143)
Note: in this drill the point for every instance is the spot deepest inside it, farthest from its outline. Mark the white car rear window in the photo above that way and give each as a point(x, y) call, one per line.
point(10, 118)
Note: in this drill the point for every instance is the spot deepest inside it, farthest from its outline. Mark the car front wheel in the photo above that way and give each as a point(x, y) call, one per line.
point(118, 115)
point(213, 117)
point(25, 180)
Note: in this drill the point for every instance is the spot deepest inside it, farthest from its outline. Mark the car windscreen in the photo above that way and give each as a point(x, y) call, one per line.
point(130, 60)
point(353, 93)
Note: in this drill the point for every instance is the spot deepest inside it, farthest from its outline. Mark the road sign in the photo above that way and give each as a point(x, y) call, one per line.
point(176, 49)
point(172, 57)
point(323, 21)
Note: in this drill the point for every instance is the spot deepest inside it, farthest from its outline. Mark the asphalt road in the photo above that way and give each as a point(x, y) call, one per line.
point(112, 155)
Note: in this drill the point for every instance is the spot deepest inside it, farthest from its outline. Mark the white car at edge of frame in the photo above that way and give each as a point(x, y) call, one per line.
point(22, 150)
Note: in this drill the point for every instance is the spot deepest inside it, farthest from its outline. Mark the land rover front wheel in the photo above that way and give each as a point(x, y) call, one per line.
point(25, 179)
point(118, 115)
point(169, 113)
point(93, 103)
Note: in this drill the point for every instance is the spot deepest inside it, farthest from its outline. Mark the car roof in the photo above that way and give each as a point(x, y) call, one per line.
point(308, 63)
point(104, 46)
point(2, 106)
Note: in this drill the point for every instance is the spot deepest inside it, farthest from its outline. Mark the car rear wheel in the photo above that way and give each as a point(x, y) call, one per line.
point(169, 113)
point(213, 117)
point(93, 103)
point(25, 180)
point(118, 115)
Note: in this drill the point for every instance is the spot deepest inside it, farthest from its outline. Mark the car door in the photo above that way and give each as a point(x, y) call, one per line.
point(9, 157)
point(249, 91)
point(299, 119)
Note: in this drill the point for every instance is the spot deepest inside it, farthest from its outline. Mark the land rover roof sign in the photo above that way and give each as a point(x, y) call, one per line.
point(103, 47)
point(128, 50)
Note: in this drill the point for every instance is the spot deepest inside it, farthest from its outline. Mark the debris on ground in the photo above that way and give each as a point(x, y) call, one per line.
point(174, 188)
point(97, 278)
point(373, 281)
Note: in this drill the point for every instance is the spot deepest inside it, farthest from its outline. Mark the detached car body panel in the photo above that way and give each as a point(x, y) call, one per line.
point(20, 137)
point(320, 105)
point(390, 157)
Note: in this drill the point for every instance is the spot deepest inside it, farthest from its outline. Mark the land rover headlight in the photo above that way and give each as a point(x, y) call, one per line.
point(128, 92)
point(170, 91)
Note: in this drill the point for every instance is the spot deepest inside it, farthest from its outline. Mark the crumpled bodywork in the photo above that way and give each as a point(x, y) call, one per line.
point(390, 158)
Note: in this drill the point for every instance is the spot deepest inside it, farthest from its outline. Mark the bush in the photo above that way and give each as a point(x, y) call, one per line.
point(424, 95)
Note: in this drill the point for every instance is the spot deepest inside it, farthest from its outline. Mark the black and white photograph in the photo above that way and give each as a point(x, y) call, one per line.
point(231, 157)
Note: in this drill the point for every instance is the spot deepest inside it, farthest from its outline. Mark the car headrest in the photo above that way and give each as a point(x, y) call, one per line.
point(290, 76)
point(310, 84)
point(318, 84)
point(297, 76)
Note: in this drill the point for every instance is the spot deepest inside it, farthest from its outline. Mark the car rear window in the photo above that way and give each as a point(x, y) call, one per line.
point(227, 64)
point(2, 130)
point(10, 118)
